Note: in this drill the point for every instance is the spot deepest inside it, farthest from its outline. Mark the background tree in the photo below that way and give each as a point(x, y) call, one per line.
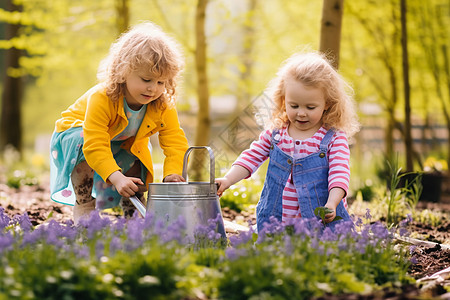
point(330, 33)
point(203, 127)
point(406, 87)
point(246, 43)
point(123, 15)
point(11, 125)
point(375, 51)
point(432, 38)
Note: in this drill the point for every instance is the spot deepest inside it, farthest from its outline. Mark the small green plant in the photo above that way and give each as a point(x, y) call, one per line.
point(400, 195)
point(321, 211)
point(20, 178)
point(22, 170)
point(430, 217)
point(414, 191)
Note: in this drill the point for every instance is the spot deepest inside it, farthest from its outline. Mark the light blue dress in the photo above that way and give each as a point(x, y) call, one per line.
point(66, 151)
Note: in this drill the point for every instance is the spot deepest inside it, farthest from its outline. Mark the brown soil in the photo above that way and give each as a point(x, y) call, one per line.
point(35, 201)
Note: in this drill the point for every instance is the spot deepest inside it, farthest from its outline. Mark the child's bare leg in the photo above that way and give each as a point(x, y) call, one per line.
point(82, 180)
point(128, 207)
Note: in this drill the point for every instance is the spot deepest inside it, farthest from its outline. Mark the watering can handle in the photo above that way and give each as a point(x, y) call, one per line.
point(211, 162)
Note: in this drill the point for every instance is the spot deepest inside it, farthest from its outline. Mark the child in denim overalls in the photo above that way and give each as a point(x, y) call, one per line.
point(306, 143)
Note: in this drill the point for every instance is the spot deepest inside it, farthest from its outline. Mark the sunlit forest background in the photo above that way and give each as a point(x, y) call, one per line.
point(60, 44)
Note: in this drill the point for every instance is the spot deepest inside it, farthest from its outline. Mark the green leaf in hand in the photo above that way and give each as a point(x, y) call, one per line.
point(321, 211)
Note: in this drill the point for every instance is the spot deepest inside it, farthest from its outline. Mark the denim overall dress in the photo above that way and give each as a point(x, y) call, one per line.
point(310, 176)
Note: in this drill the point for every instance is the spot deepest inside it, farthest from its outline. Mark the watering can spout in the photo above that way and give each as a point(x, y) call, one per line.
point(139, 206)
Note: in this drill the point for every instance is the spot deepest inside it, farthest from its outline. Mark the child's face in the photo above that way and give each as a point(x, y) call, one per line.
point(304, 107)
point(142, 88)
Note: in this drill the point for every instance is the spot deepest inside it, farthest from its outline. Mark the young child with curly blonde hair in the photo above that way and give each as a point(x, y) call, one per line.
point(100, 149)
point(306, 142)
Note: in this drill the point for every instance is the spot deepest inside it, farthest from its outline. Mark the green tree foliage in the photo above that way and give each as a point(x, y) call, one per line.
point(247, 40)
point(432, 41)
point(372, 55)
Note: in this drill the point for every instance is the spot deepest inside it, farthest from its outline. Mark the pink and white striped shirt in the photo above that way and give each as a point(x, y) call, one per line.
point(338, 158)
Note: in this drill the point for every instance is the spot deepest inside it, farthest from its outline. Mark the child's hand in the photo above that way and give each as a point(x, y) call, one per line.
point(224, 183)
point(330, 216)
point(125, 186)
point(174, 178)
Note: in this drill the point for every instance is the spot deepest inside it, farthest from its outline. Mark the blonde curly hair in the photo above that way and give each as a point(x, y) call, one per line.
point(144, 47)
point(314, 70)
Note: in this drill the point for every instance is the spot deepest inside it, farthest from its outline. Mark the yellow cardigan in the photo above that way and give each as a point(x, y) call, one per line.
point(103, 119)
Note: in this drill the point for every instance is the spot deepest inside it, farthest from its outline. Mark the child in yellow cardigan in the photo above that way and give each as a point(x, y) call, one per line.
point(100, 150)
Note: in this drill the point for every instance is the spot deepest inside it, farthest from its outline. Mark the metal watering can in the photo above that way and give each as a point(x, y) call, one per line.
point(197, 202)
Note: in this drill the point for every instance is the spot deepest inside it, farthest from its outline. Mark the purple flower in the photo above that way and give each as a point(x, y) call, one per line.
point(149, 221)
point(4, 218)
point(6, 241)
point(134, 235)
point(23, 221)
point(81, 252)
point(115, 245)
point(233, 253)
point(31, 237)
point(52, 239)
point(403, 232)
point(361, 247)
point(159, 227)
point(345, 228)
point(241, 238)
point(405, 222)
point(301, 228)
point(176, 231)
point(288, 247)
point(343, 243)
point(317, 246)
point(368, 216)
point(413, 260)
point(118, 225)
point(328, 235)
point(99, 248)
point(380, 231)
point(409, 218)
point(273, 227)
point(330, 251)
point(210, 231)
point(94, 223)
point(363, 239)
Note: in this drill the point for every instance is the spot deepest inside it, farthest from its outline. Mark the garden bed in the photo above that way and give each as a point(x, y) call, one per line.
point(34, 200)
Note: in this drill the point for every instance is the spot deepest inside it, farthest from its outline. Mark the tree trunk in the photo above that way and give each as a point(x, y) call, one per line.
point(330, 32)
point(406, 87)
point(445, 108)
point(444, 50)
point(203, 120)
point(391, 113)
point(123, 15)
point(247, 59)
point(11, 125)
point(244, 86)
